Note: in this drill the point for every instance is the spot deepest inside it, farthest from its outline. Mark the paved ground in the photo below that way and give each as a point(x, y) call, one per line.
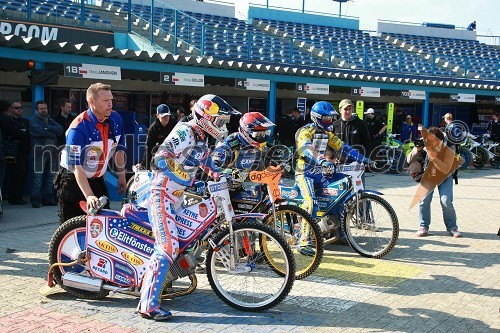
point(433, 284)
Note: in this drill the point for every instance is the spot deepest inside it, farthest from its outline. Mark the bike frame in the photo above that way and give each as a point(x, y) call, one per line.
point(332, 195)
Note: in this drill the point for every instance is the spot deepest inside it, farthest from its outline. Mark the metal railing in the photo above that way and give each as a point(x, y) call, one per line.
point(180, 33)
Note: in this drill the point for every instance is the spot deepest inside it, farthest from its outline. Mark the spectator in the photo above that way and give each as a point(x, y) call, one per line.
point(4, 108)
point(350, 129)
point(234, 122)
point(298, 118)
point(17, 148)
point(44, 136)
point(180, 113)
point(64, 118)
point(375, 127)
point(442, 163)
point(157, 132)
point(416, 160)
point(307, 116)
point(408, 130)
point(190, 115)
point(83, 161)
point(493, 128)
point(286, 129)
point(472, 26)
point(399, 119)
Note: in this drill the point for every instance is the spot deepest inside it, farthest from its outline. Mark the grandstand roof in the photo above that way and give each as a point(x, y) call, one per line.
point(35, 44)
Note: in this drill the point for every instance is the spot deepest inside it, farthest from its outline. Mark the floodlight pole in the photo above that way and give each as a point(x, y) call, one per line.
point(340, 5)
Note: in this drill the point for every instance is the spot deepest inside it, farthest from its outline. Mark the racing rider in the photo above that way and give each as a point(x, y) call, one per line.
point(243, 151)
point(312, 167)
point(174, 165)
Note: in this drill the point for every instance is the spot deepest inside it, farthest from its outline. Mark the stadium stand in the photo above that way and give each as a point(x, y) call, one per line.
point(477, 59)
point(271, 41)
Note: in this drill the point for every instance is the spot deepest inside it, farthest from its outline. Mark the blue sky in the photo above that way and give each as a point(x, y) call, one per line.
point(457, 12)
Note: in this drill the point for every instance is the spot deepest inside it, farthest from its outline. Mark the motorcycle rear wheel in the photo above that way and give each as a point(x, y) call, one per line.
point(373, 230)
point(292, 218)
point(258, 249)
point(66, 244)
point(481, 156)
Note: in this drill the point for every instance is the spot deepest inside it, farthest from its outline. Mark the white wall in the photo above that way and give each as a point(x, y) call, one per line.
point(195, 6)
point(425, 31)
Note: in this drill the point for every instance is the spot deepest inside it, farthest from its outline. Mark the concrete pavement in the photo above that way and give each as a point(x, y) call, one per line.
point(432, 284)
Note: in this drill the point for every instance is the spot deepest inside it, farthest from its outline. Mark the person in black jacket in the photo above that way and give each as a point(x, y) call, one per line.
point(17, 134)
point(157, 132)
point(286, 129)
point(64, 118)
point(352, 130)
point(4, 109)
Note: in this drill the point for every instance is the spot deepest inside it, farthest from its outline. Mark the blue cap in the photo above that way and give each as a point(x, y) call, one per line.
point(163, 110)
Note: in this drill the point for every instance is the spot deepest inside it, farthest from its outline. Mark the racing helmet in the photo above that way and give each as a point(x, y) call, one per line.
point(254, 128)
point(322, 114)
point(212, 113)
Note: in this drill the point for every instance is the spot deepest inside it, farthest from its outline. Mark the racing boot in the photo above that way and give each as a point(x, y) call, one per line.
point(305, 247)
point(157, 315)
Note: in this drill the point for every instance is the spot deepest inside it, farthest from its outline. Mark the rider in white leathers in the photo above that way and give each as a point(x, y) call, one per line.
point(175, 164)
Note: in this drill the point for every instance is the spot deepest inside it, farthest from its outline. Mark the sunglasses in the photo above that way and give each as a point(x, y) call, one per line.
point(17, 107)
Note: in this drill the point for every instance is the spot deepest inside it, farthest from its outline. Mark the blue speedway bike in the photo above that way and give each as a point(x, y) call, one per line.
point(368, 222)
point(249, 265)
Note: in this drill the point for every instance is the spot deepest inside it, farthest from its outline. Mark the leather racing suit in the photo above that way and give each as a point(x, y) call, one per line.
point(175, 164)
point(312, 143)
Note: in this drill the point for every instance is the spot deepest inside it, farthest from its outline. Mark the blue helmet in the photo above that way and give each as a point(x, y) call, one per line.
point(322, 114)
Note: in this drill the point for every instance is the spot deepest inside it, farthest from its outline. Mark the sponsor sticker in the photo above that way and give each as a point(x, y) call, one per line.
point(106, 246)
point(132, 258)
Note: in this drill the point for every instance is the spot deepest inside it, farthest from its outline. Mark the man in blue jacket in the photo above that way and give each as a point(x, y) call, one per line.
point(44, 135)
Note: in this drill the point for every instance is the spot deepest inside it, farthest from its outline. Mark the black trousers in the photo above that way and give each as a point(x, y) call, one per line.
point(18, 173)
point(69, 194)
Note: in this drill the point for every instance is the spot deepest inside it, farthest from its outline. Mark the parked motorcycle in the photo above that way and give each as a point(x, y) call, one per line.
point(255, 201)
point(480, 156)
point(369, 222)
point(91, 256)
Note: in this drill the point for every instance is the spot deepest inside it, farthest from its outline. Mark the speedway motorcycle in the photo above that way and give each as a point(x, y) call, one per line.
point(258, 200)
point(249, 265)
point(369, 223)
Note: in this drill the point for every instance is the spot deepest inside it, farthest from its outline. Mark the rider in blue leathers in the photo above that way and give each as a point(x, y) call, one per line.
point(247, 149)
point(312, 167)
point(175, 164)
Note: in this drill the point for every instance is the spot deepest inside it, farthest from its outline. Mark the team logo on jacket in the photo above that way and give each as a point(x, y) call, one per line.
point(177, 169)
point(203, 210)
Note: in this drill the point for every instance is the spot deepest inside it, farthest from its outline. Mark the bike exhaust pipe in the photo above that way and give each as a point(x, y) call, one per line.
point(81, 282)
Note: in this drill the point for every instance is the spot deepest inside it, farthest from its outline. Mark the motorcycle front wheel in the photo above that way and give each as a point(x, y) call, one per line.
point(372, 227)
point(254, 284)
point(67, 243)
point(303, 235)
point(465, 153)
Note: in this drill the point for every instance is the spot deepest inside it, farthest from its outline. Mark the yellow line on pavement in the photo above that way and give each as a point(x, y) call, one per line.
point(378, 272)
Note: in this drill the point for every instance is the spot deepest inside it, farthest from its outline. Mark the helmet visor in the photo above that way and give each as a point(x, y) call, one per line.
point(257, 135)
point(327, 120)
point(221, 121)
